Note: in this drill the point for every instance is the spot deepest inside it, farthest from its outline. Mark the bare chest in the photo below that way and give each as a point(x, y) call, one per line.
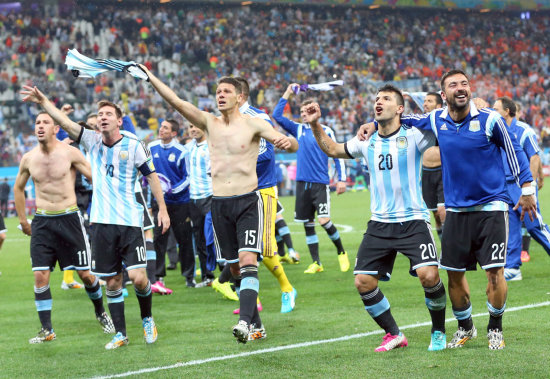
point(231, 141)
point(54, 167)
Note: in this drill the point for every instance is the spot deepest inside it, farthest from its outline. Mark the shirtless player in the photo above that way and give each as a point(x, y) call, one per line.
point(57, 233)
point(233, 142)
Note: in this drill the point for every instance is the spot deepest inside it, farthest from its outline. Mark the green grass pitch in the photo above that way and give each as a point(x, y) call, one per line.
point(194, 325)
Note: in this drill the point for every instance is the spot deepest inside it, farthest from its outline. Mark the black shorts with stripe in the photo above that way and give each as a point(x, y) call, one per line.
point(59, 238)
point(115, 245)
point(280, 208)
point(311, 198)
point(474, 237)
point(147, 218)
point(432, 187)
point(382, 241)
point(238, 225)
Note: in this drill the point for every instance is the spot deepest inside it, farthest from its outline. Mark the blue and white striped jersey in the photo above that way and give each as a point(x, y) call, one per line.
point(265, 167)
point(527, 139)
point(114, 172)
point(131, 134)
point(395, 166)
point(198, 167)
point(312, 162)
point(169, 160)
point(473, 170)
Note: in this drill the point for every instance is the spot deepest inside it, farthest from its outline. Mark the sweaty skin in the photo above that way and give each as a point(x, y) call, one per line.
point(52, 165)
point(233, 138)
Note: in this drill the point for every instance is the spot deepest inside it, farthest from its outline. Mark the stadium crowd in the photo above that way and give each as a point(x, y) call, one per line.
point(190, 47)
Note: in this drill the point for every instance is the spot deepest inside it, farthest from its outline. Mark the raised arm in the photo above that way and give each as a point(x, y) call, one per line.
point(19, 194)
point(327, 144)
point(81, 164)
point(193, 114)
point(288, 125)
point(36, 96)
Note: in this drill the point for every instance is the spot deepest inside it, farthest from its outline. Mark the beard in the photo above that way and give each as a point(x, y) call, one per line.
point(454, 106)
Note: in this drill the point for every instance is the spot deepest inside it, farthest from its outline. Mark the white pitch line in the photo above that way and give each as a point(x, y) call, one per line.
point(297, 345)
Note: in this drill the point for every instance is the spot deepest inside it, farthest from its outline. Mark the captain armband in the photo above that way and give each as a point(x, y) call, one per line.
point(147, 168)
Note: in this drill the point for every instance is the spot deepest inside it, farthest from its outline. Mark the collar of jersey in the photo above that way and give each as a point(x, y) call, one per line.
point(243, 108)
point(391, 134)
point(110, 146)
point(473, 113)
point(168, 145)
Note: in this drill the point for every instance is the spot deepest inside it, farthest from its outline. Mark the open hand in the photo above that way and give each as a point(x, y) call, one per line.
point(32, 94)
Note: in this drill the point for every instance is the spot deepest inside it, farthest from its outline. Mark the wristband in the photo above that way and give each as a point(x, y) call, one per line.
point(527, 191)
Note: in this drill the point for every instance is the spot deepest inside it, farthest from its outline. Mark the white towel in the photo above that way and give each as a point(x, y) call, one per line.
point(326, 86)
point(85, 67)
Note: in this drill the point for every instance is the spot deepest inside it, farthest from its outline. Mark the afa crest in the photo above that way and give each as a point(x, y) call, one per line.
point(474, 126)
point(123, 155)
point(401, 142)
point(172, 157)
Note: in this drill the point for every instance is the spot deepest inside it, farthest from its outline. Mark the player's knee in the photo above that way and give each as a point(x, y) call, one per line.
point(41, 278)
point(113, 283)
point(86, 277)
point(365, 283)
point(323, 220)
point(138, 277)
point(248, 258)
point(495, 277)
point(428, 277)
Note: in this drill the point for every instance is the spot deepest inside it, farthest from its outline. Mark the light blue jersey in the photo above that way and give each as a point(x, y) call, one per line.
point(114, 172)
point(198, 167)
point(395, 166)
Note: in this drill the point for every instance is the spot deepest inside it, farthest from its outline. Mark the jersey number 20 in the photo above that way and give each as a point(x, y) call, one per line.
point(386, 162)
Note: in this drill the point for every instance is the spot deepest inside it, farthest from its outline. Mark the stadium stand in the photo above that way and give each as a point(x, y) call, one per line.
point(190, 47)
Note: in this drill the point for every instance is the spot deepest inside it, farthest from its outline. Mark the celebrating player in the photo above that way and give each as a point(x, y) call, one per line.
point(117, 235)
point(233, 141)
point(312, 192)
point(57, 233)
point(400, 219)
point(476, 200)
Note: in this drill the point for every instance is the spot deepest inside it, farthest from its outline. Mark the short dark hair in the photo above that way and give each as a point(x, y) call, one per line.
point(244, 86)
point(44, 112)
point(107, 103)
point(307, 102)
point(509, 104)
point(438, 98)
point(234, 82)
point(174, 125)
point(451, 73)
point(391, 88)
